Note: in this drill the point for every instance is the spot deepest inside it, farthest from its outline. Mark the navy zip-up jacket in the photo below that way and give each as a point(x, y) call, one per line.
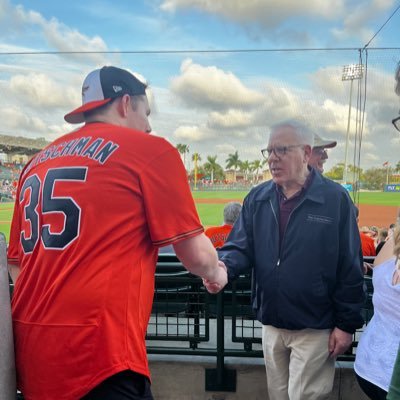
point(314, 279)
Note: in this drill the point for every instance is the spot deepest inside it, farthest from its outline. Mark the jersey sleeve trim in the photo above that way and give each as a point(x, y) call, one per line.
point(174, 239)
point(13, 261)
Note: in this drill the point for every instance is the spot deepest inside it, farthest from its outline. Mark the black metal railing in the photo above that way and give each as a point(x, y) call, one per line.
point(183, 312)
point(187, 320)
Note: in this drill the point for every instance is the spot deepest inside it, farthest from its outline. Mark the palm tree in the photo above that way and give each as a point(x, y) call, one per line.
point(211, 166)
point(183, 149)
point(195, 158)
point(245, 167)
point(233, 162)
point(256, 166)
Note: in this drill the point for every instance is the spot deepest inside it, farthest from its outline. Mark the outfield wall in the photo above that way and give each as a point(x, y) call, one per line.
point(392, 188)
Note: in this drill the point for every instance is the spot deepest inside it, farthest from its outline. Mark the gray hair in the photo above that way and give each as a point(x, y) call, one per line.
point(303, 132)
point(231, 212)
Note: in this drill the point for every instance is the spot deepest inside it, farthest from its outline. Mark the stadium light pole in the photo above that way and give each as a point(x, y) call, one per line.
point(350, 72)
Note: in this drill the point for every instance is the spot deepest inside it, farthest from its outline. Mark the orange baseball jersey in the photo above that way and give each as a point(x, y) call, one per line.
point(218, 234)
point(90, 212)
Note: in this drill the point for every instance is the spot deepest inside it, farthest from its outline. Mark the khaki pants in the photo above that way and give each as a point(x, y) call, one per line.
point(297, 363)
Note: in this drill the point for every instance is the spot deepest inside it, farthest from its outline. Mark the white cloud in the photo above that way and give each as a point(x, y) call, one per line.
point(210, 87)
point(225, 148)
point(368, 146)
point(328, 81)
point(55, 131)
point(39, 90)
point(16, 119)
point(371, 157)
point(230, 119)
point(193, 133)
point(288, 21)
point(324, 105)
point(356, 20)
point(58, 35)
point(340, 114)
point(66, 39)
point(395, 142)
point(266, 14)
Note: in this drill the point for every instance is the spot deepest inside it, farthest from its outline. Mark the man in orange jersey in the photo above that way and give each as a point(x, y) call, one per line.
point(92, 209)
point(219, 234)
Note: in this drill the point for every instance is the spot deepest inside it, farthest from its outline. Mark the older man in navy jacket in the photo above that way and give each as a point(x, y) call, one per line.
point(298, 232)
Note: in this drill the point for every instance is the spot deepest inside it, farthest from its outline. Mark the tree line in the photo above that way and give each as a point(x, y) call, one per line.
point(374, 178)
point(371, 179)
point(214, 171)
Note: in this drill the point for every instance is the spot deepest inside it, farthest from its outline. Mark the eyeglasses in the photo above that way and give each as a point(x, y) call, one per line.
point(319, 150)
point(396, 123)
point(279, 151)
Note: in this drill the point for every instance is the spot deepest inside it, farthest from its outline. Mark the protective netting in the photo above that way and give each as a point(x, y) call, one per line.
point(221, 102)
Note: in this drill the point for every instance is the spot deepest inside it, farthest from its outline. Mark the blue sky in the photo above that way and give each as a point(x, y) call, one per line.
point(216, 103)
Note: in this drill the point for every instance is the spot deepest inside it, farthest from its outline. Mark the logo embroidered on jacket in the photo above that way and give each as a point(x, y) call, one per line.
point(322, 219)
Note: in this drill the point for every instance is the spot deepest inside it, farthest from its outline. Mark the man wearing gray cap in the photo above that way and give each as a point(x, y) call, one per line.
point(319, 154)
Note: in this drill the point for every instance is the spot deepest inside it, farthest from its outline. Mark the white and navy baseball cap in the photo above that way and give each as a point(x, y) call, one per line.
point(325, 143)
point(101, 86)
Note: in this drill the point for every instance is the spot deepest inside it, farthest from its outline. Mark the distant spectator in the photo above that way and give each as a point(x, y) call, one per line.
point(374, 233)
point(367, 242)
point(219, 234)
point(319, 154)
point(390, 232)
point(381, 239)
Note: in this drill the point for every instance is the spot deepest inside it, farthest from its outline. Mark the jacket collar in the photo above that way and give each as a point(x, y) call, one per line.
point(315, 192)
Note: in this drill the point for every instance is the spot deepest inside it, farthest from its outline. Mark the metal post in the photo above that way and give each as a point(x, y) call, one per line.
point(8, 388)
point(387, 174)
point(347, 134)
point(220, 379)
point(350, 72)
point(195, 171)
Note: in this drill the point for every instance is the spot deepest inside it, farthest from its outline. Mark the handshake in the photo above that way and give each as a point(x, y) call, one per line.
point(216, 283)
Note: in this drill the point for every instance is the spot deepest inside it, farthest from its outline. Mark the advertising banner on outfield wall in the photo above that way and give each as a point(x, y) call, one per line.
point(392, 188)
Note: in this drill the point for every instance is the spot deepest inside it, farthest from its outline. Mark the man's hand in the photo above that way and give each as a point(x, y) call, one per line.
point(220, 280)
point(339, 342)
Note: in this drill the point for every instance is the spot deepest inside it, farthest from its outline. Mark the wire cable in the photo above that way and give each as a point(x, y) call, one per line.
point(285, 50)
point(373, 37)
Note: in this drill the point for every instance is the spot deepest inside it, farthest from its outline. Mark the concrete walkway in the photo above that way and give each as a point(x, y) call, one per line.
point(183, 378)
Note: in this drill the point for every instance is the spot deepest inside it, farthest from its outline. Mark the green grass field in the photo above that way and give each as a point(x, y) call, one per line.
point(380, 198)
point(219, 195)
point(211, 214)
point(6, 211)
point(373, 198)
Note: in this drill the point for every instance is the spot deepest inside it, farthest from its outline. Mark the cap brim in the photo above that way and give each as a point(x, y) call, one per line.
point(76, 116)
point(327, 144)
